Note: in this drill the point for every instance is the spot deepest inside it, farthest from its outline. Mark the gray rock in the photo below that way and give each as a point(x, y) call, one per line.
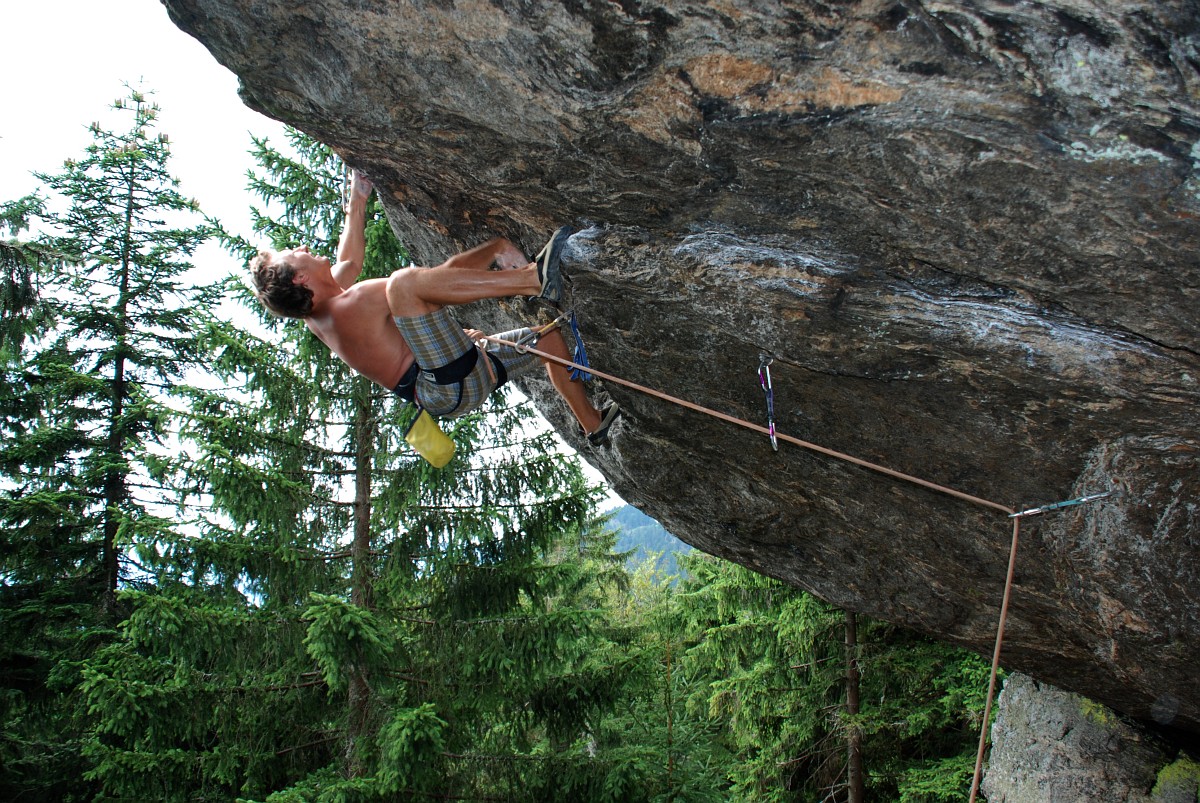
point(1051, 746)
point(965, 229)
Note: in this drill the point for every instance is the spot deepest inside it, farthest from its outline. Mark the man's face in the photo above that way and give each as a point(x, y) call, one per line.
point(303, 263)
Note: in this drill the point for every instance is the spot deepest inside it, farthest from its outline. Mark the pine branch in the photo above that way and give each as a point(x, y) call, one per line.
point(437, 796)
point(318, 742)
point(482, 757)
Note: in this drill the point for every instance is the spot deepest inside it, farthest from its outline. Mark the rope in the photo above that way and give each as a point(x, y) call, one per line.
point(987, 708)
point(1008, 581)
point(975, 500)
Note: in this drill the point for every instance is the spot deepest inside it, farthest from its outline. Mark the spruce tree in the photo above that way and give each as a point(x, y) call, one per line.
point(283, 457)
point(21, 262)
point(679, 751)
point(380, 628)
point(85, 427)
point(814, 708)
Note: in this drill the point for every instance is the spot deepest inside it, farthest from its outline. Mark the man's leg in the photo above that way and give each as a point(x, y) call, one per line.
point(497, 251)
point(464, 278)
point(573, 393)
point(419, 291)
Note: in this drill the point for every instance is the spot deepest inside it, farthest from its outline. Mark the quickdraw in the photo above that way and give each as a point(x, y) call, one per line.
point(1033, 511)
point(580, 354)
point(764, 380)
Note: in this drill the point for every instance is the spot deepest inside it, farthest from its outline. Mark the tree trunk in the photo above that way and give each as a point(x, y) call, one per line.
point(854, 759)
point(362, 582)
point(116, 488)
point(670, 704)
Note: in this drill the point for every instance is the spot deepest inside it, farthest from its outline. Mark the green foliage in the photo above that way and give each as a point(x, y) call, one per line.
point(183, 702)
point(1178, 780)
point(96, 325)
point(22, 311)
point(411, 743)
point(303, 610)
point(772, 669)
point(341, 638)
point(937, 781)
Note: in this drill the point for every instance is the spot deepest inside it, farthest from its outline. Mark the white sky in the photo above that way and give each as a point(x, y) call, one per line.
point(63, 64)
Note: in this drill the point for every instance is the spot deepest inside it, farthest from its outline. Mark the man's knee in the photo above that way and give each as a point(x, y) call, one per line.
point(400, 281)
point(402, 297)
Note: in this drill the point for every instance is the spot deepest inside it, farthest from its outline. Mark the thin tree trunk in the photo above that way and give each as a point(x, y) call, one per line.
point(116, 489)
point(362, 582)
point(854, 757)
point(670, 704)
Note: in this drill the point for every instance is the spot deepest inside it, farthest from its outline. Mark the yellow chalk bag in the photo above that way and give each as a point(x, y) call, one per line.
point(427, 439)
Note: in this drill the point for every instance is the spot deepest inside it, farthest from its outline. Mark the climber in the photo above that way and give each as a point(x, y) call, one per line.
point(398, 331)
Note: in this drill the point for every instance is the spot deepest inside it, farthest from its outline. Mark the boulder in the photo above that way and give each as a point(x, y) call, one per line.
point(963, 230)
point(1051, 745)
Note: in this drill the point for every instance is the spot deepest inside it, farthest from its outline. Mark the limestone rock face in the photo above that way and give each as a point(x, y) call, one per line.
point(965, 230)
point(1051, 745)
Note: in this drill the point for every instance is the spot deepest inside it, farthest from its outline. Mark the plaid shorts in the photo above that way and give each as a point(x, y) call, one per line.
point(436, 340)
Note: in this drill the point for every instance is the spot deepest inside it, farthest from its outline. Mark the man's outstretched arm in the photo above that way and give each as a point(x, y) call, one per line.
point(352, 245)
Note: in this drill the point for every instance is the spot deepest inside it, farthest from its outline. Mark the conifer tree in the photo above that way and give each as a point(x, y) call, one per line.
point(21, 310)
point(89, 364)
point(681, 752)
point(382, 629)
point(284, 459)
point(780, 670)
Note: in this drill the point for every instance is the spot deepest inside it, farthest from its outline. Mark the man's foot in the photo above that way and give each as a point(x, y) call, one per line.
point(607, 416)
point(548, 269)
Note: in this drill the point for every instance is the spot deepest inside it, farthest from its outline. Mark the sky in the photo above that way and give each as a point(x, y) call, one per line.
point(63, 64)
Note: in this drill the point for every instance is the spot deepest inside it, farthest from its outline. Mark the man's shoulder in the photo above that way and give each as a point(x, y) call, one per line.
point(364, 299)
point(367, 291)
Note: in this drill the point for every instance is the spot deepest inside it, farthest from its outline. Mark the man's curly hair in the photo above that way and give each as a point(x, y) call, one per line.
point(275, 288)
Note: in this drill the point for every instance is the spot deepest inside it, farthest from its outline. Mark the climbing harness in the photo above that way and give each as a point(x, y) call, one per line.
point(764, 380)
point(1015, 515)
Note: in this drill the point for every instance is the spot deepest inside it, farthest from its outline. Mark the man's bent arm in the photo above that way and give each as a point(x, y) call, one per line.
point(352, 245)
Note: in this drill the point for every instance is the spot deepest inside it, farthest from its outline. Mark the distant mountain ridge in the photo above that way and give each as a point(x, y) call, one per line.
point(642, 535)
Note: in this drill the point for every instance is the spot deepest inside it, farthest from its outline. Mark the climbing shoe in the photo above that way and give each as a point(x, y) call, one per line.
point(548, 268)
point(607, 416)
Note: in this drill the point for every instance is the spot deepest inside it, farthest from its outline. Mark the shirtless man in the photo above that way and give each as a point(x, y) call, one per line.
point(398, 332)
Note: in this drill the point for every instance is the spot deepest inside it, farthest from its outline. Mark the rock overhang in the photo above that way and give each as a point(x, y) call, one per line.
point(966, 233)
